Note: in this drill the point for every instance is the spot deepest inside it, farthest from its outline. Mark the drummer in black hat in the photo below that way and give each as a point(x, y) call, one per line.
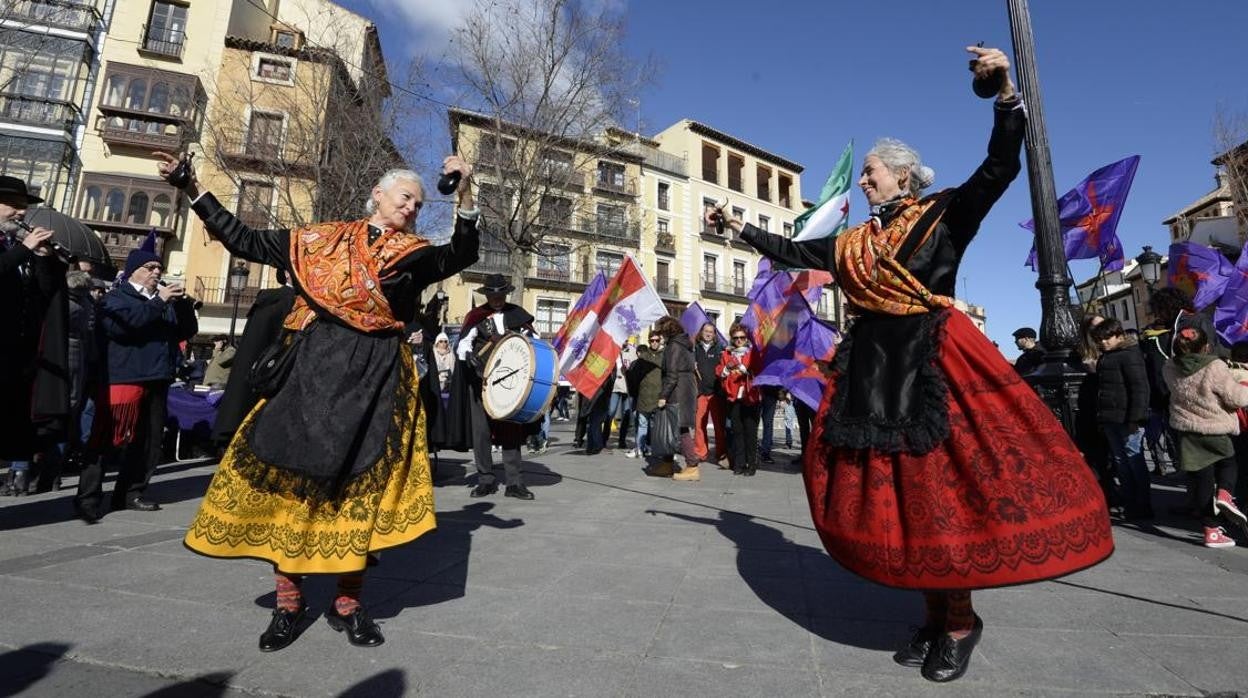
point(1033, 354)
point(482, 325)
point(32, 289)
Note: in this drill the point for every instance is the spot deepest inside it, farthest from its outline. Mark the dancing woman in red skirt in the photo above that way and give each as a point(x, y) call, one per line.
point(933, 466)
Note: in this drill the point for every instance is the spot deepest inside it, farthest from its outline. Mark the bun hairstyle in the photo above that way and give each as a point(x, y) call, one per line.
point(1190, 340)
point(900, 159)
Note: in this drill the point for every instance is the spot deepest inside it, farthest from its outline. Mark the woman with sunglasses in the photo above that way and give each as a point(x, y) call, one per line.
point(738, 364)
point(933, 466)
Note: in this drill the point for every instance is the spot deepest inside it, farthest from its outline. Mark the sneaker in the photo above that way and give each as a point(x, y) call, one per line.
point(1224, 503)
point(1216, 538)
point(631, 454)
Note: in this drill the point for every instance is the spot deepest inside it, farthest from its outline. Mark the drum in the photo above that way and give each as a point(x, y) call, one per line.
point(520, 378)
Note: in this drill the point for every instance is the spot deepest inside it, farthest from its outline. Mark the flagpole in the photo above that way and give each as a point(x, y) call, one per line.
point(1055, 381)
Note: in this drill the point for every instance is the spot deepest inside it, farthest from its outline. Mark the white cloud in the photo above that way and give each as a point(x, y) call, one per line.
point(432, 21)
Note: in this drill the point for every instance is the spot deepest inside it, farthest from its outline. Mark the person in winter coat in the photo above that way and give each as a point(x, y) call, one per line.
point(645, 380)
point(737, 368)
point(1122, 411)
point(217, 375)
point(679, 389)
point(1203, 398)
point(706, 351)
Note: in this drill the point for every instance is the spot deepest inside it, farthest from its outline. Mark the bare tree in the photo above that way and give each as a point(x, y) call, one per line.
point(543, 80)
point(308, 129)
point(1230, 133)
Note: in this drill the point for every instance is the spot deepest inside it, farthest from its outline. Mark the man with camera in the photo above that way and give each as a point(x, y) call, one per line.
point(143, 321)
point(32, 286)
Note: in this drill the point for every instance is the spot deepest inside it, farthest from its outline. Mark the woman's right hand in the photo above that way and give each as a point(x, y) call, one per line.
point(166, 166)
point(661, 403)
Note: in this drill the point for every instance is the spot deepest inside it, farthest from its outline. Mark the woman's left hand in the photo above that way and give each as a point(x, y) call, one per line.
point(454, 163)
point(992, 60)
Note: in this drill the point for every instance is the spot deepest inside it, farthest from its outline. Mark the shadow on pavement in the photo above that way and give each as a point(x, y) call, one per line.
point(203, 686)
point(839, 610)
point(43, 511)
point(22, 668)
point(461, 472)
point(387, 684)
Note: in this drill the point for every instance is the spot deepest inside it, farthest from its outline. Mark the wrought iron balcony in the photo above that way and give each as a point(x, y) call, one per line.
point(79, 16)
point(618, 231)
point(490, 262)
point(163, 41)
point(553, 276)
point(665, 242)
point(667, 288)
point(625, 187)
point(723, 287)
point(262, 152)
point(215, 290)
point(38, 111)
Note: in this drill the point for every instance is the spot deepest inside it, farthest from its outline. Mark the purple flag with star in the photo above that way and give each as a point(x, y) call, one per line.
point(1089, 215)
point(803, 374)
point(1202, 272)
point(1230, 318)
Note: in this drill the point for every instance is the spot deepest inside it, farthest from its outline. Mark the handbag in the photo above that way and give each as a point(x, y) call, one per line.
point(664, 432)
point(273, 365)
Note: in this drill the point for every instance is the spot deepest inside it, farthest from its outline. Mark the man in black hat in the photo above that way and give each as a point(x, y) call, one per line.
point(32, 289)
point(143, 322)
point(1033, 354)
point(483, 323)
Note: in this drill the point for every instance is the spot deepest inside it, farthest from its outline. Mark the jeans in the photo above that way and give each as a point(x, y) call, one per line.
point(538, 440)
point(643, 432)
point(1126, 449)
point(595, 440)
point(621, 407)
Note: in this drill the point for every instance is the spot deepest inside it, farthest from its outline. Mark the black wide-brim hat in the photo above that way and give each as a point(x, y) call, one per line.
point(495, 284)
point(13, 185)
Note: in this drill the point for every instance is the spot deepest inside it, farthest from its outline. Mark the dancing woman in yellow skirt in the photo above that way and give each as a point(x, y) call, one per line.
point(334, 465)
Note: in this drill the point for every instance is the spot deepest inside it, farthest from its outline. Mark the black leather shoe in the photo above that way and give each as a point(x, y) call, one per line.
point(949, 658)
point(140, 504)
point(87, 514)
point(916, 650)
point(282, 629)
point(518, 491)
point(361, 630)
point(483, 490)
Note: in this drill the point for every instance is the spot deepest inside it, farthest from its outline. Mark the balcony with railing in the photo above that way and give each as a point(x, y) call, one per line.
point(724, 288)
point(545, 274)
point(618, 232)
point(667, 288)
point(38, 111)
point(489, 262)
point(216, 291)
point(626, 186)
point(163, 41)
point(665, 242)
point(263, 152)
point(78, 16)
point(142, 133)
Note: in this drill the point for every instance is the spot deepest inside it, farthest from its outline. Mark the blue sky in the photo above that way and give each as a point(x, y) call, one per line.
point(1119, 77)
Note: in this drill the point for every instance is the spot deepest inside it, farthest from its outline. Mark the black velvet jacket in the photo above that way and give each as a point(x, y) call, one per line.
point(890, 395)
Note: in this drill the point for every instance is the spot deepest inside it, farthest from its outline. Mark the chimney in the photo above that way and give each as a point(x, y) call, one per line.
point(1220, 177)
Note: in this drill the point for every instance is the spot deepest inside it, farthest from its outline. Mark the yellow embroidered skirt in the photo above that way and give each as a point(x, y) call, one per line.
point(389, 505)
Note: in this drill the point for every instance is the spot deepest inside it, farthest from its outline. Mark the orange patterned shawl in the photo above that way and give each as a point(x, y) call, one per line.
point(342, 272)
point(870, 275)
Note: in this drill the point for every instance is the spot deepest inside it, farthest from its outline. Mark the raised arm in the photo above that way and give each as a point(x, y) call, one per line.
point(972, 200)
point(430, 265)
point(808, 254)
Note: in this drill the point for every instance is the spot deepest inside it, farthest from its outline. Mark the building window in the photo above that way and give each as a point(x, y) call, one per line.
point(763, 182)
point(738, 277)
point(555, 211)
point(610, 220)
point(764, 223)
point(283, 38)
point(496, 151)
point(710, 267)
point(274, 69)
point(42, 164)
point(788, 230)
point(555, 262)
point(611, 176)
point(662, 226)
point(264, 135)
point(609, 262)
point(708, 204)
point(786, 191)
point(166, 29)
point(551, 315)
point(665, 196)
point(738, 213)
point(710, 163)
point(713, 316)
point(255, 204)
point(736, 164)
point(662, 276)
point(557, 165)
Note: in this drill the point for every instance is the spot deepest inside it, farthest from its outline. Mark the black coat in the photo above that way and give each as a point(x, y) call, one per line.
point(679, 384)
point(889, 396)
point(705, 361)
point(1122, 387)
point(1029, 360)
point(143, 334)
point(34, 350)
point(264, 327)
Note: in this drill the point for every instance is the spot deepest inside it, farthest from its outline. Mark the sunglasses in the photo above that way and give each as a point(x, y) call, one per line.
point(152, 267)
point(739, 337)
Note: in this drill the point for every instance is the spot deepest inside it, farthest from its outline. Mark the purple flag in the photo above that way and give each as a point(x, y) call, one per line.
point(694, 318)
point(1089, 215)
point(764, 275)
point(782, 341)
point(1202, 272)
point(1231, 316)
point(803, 374)
point(766, 306)
point(592, 292)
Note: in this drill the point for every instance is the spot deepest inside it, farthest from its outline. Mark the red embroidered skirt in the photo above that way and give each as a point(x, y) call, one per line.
point(1006, 499)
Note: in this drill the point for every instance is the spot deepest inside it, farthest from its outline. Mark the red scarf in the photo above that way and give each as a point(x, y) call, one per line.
point(337, 267)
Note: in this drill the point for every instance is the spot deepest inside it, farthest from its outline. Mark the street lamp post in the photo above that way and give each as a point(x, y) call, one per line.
point(236, 283)
point(1150, 267)
point(1056, 380)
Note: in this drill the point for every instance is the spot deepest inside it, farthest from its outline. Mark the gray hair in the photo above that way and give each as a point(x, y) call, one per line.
point(900, 158)
point(77, 279)
point(387, 180)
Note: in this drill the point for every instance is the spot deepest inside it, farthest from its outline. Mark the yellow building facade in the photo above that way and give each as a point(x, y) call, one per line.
point(234, 83)
point(582, 207)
